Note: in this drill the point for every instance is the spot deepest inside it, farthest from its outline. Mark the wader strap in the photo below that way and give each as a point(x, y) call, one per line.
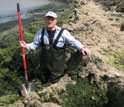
point(42, 35)
point(56, 40)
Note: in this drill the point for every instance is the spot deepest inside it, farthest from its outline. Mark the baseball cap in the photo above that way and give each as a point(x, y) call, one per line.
point(52, 14)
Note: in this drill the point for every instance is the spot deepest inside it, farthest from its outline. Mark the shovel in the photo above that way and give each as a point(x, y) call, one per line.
point(27, 87)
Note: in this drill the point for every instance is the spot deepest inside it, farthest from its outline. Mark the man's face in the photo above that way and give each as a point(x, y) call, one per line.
point(50, 22)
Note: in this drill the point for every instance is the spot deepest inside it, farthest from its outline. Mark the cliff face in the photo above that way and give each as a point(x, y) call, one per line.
point(96, 81)
point(100, 31)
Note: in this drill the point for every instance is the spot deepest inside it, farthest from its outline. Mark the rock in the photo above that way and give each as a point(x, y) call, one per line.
point(107, 78)
point(50, 105)
point(53, 89)
point(32, 100)
point(34, 103)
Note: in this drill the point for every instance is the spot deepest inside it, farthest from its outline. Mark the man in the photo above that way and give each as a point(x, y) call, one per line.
point(52, 40)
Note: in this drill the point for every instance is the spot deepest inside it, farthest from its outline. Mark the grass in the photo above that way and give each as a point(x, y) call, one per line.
point(117, 58)
point(28, 36)
point(9, 99)
point(61, 22)
point(46, 7)
point(82, 94)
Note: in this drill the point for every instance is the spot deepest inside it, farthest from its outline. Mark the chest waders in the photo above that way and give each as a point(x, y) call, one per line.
point(52, 60)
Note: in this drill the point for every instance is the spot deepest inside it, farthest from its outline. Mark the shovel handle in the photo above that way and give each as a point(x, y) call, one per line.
point(21, 35)
point(18, 7)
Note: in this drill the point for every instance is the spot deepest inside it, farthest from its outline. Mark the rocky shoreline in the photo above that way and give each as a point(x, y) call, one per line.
point(96, 81)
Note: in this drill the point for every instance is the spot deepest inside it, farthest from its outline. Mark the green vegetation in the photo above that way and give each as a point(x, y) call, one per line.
point(9, 99)
point(11, 62)
point(82, 94)
point(46, 7)
point(11, 65)
point(12, 72)
point(61, 22)
point(115, 96)
point(117, 58)
point(122, 27)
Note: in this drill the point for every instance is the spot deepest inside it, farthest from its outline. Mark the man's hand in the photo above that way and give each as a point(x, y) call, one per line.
point(86, 51)
point(22, 44)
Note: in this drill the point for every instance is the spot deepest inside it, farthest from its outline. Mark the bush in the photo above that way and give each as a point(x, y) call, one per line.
point(82, 94)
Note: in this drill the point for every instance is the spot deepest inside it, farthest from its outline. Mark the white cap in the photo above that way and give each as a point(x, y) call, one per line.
point(52, 14)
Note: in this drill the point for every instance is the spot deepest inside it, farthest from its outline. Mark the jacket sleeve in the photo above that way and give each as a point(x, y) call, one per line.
point(70, 40)
point(36, 43)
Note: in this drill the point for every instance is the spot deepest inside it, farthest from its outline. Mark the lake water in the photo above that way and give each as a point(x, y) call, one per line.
point(8, 8)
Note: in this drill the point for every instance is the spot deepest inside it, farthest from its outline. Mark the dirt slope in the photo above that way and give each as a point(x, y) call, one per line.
point(96, 28)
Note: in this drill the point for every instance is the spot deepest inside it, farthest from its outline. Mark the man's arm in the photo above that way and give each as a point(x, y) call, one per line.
point(35, 44)
point(70, 40)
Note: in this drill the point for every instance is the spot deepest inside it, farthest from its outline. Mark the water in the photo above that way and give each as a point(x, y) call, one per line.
point(8, 8)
